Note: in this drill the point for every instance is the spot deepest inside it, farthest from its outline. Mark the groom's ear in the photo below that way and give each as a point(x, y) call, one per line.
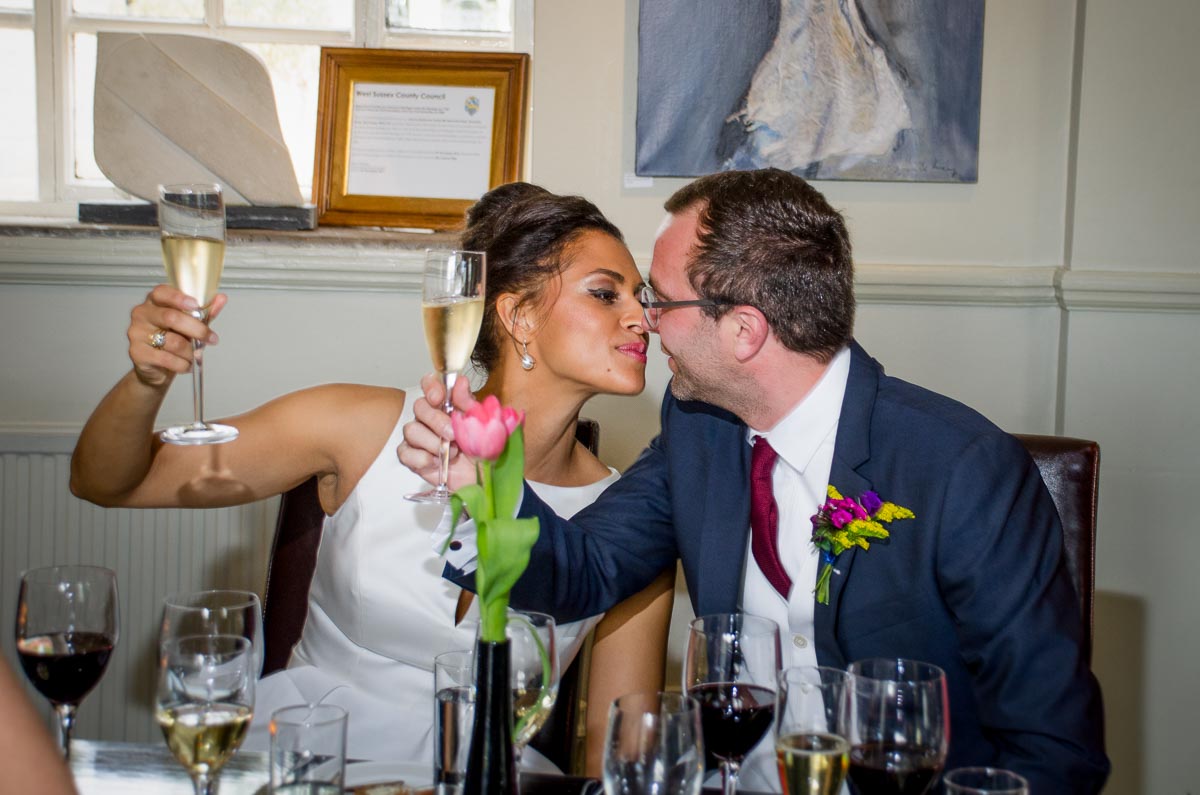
point(746, 330)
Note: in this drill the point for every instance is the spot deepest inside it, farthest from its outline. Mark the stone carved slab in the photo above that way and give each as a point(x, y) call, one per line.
point(172, 108)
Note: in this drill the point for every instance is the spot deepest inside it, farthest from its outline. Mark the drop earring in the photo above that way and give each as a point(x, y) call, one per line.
point(527, 361)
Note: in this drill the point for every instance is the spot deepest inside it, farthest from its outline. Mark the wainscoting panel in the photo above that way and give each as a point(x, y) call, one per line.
point(154, 552)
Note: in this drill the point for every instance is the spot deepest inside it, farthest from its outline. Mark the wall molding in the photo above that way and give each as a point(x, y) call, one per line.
point(38, 438)
point(98, 260)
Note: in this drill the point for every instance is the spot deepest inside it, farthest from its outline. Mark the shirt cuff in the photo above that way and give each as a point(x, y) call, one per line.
point(463, 552)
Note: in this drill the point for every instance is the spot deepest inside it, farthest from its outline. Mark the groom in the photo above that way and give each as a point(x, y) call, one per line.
point(751, 293)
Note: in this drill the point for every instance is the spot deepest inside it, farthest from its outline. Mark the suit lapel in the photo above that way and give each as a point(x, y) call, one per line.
point(851, 450)
point(726, 527)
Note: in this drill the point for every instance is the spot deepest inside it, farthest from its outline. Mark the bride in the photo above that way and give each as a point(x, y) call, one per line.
point(562, 323)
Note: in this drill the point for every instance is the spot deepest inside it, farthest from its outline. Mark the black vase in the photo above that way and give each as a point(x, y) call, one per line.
point(490, 766)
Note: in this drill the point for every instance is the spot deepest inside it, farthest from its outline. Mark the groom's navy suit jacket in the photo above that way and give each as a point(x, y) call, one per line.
point(975, 583)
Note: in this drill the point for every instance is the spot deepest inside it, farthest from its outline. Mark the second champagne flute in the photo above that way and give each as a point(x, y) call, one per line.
point(191, 219)
point(732, 663)
point(452, 294)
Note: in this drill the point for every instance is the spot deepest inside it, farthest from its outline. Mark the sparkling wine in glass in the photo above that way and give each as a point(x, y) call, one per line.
point(899, 726)
point(205, 701)
point(191, 219)
point(731, 669)
point(67, 628)
point(215, 613)
point(811, 748)
point(452, 306)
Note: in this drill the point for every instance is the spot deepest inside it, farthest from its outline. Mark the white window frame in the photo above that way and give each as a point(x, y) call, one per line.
point(53, 26)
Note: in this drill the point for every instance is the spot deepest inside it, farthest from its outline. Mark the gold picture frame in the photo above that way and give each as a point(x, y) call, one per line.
point(397, 127)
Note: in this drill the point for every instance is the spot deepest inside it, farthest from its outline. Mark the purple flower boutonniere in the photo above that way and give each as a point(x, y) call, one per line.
point(842, 523)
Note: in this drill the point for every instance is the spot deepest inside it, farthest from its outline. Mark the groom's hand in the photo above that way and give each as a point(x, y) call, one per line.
point(421, 449)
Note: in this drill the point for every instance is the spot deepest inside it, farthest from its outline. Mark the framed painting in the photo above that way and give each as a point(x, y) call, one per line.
point(412, 138)
point(856, 89)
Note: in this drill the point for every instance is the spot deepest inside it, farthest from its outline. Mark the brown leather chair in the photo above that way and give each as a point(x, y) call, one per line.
point(285, 607)
point(1071, 471)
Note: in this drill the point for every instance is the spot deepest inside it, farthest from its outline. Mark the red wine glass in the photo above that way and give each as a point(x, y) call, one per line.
point(899, 726)
point(66, 632)
point(731, 666)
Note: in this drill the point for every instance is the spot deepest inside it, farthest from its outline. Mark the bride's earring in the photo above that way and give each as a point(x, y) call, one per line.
point(527, 361)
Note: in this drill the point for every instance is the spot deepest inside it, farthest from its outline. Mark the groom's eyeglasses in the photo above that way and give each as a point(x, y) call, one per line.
point(652, 308)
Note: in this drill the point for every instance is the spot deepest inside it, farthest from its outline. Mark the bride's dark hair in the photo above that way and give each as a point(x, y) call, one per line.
point(525, 230)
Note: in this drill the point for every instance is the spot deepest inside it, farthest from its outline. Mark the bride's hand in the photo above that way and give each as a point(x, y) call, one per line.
point(421, 449)
point(161, 330)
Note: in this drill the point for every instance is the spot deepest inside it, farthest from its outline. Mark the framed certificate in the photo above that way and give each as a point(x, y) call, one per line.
point(411, 138)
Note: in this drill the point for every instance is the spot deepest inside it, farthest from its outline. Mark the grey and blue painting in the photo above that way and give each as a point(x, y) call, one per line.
point(828, 89)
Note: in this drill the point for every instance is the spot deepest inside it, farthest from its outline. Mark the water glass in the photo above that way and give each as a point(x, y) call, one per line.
point(308, 750)
point(984, 781)
point(653, 745)
point(453, 717)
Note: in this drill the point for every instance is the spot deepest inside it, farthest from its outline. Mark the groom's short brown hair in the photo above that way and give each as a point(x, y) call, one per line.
point(770, 240)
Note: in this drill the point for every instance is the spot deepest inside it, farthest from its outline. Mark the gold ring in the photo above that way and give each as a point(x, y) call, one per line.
point(158, 339)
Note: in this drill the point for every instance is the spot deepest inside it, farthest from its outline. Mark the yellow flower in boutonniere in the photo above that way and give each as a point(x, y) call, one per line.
point(843, 522)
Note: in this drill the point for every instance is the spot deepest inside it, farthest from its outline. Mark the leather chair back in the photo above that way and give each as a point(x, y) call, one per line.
point(285, 607)
point(1071, 470)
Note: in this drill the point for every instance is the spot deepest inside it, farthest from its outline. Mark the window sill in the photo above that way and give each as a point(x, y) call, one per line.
point(65, 251)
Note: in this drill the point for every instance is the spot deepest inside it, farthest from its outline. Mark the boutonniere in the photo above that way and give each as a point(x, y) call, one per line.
point(843, 522)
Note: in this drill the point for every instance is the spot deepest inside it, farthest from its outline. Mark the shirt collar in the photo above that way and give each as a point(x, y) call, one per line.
point(799, 435)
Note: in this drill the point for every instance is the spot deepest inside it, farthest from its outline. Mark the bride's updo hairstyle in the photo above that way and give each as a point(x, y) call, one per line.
point(526, 231)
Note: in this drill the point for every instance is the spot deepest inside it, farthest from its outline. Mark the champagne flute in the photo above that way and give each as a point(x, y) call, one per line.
point(652, 745)
point(810, 730)
point(66, 631)
point(215, 613)
point(191, 219)
point(205, 701)
point(731, 669)
point(452, 305)
point(899, 726)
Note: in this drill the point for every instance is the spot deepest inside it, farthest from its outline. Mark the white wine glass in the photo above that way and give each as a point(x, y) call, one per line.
point(215, 612)
point(191, 219)
point(984, 781)
point(452, 295)
point(811, 748)
point(205, 701)
point(67, 628)
point(533, 657)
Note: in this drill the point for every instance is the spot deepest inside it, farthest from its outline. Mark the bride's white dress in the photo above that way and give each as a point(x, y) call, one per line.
point(379, 612)
point(824, 90)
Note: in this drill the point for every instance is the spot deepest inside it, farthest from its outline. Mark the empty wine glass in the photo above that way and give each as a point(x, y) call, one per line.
point(810, 730)
point(985, 781)
point(67, 628)
point(452, 305)
point(899, 726)
point(652, 745)
point(215, 613)
point(205, 701)
point(731, 669)
point(191, 219)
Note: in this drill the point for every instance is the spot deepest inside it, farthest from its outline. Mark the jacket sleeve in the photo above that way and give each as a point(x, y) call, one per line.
point(1001, 569)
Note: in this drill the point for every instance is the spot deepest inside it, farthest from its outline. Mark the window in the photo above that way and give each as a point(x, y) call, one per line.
point(48, 52)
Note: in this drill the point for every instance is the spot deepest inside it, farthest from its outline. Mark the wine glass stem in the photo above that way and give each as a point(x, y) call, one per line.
point(729, 777)
point(448, 380)
point(66, 722)
point(198, 375)
point(204, 784)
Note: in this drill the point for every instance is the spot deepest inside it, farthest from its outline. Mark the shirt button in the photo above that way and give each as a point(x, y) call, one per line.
point(799, 641)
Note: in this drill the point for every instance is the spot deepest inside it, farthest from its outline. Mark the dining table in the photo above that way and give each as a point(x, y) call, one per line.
point(104, 767)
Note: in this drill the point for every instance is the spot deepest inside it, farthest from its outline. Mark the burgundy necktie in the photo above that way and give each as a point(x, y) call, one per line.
point(764, 517)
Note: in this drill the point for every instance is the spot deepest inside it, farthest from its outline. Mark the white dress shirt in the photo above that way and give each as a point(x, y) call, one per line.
point(804, 440)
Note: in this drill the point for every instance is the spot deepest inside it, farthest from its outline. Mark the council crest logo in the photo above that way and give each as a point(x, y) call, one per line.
point(471, 105)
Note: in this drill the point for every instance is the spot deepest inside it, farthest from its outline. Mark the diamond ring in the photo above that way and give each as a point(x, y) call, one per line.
point(158, 339)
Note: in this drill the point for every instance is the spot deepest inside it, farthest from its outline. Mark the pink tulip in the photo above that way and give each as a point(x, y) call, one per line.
point(483, 430)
